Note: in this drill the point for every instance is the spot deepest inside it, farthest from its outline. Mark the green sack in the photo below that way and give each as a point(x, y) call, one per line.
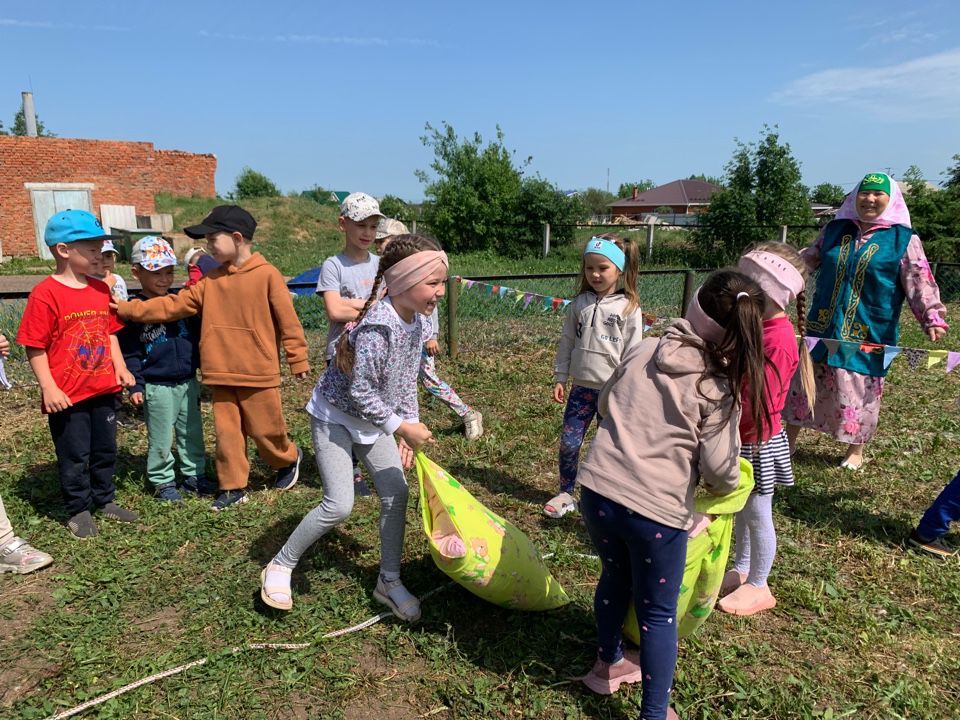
point(707, 555)
point(501, 565)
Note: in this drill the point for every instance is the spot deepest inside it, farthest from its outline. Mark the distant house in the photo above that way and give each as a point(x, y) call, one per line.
point(683, 197)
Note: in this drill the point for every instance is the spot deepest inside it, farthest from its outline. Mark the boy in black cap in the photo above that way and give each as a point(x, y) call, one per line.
point(246, 309)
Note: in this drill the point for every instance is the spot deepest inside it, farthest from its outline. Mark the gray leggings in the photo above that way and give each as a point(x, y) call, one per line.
point(332, 445)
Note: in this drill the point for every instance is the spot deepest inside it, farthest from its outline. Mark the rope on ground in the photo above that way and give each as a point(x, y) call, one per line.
point(251, 646)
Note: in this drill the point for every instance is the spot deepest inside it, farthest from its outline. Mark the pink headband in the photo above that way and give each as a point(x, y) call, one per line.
point(780, 280)
point(413, 269)
point(703, 325)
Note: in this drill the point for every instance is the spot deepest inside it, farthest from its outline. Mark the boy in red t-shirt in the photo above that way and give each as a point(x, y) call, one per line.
point(68, 331)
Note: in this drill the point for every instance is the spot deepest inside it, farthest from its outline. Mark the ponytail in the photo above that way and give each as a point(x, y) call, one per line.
point(807, 383)
point(736, 303)
point(400, 246)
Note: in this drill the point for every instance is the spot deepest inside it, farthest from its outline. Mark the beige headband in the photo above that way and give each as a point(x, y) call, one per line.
point(413, 269)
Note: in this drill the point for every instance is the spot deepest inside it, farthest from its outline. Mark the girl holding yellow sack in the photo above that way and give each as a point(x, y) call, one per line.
point(671, 412)
point(367, 395)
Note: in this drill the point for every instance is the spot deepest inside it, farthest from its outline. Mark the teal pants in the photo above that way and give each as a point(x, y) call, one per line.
point(169, 409)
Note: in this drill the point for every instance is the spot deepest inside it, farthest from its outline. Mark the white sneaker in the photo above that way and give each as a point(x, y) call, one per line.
point(20, 557)
point(473, 424)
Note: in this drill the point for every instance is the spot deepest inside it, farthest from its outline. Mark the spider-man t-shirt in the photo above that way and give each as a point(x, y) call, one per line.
point(74, 326)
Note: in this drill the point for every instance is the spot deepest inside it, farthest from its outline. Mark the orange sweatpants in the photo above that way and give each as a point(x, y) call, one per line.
point(246, 412)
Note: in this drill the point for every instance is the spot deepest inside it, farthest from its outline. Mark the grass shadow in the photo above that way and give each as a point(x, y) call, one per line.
point(498, 482)
point(844, 510)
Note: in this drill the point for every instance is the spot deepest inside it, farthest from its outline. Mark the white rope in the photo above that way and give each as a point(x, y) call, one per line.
point(251, 646)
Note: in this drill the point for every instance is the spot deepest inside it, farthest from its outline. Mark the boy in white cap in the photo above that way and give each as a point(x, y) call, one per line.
point(347, 277)
point(108, 261)
point(163, 358)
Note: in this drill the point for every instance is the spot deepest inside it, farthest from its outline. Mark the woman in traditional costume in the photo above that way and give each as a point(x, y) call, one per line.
point(870, 261)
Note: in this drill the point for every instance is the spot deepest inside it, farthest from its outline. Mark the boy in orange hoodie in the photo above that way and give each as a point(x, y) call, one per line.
point(246, 309)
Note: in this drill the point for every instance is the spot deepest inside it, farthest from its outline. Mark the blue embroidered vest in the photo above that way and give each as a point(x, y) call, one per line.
point(858, 296)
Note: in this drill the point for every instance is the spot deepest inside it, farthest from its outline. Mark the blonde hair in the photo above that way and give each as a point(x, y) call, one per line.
point(400, 246)
point(629, 275)
point(792, 255)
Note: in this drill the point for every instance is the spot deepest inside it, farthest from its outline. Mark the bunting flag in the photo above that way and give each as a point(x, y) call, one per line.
point(831, 345)
point(915, 357)
point(889, 353)
point(953, 359)
point(503, 291)
point(810, 342)
point(935, 356)
point(527, 297)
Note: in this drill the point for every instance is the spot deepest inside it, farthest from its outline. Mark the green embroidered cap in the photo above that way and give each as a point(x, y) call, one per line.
point(875, 181)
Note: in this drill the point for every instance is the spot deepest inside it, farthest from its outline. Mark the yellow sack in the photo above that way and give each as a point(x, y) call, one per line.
point(500, 563)
point(706, 559)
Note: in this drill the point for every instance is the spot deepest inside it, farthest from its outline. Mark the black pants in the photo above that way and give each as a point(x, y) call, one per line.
point(85, 437)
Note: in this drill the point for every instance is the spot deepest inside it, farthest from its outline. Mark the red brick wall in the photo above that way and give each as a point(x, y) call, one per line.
point(122, 173)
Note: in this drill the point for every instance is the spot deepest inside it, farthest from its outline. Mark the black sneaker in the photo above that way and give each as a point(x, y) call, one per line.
point(199, 485)
point(82, 525)
point(227, 499)
point(287, 477)
point(168, 493)
point(936, 547)
point(115, 512)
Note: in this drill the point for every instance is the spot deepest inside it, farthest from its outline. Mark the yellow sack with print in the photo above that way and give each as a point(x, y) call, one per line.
point(499, 563)
point(706, 559)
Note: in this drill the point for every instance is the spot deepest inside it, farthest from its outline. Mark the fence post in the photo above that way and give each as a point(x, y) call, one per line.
point(933, 266)
point(413, 227)
point(783, 233)
point(546, 239)
point(649, 243)
point(453, 330)
point(688, 280)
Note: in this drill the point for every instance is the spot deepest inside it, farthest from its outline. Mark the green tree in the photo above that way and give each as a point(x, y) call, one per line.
point(252, 184)
point(712, 179)
point(763, 190)
point(317, 194)
point(394, 207)
point(539, 202)
point(20, 126)
point(626, 189)
point(952, 174)
point(828, 194)
point(595, 201)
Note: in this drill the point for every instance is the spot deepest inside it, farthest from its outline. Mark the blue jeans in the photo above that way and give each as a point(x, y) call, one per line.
point(945, 510)
point(581, 407)
point(644, 561)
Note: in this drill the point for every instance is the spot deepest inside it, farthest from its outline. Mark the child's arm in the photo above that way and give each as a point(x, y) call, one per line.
point(340, 309)
point(133, 356)
point(288, 324)
point(123, 376)
point(54, 399)
point(720, 449)
point(432, 346)
point(166, 308)
point(561, 364)
point(632, 330)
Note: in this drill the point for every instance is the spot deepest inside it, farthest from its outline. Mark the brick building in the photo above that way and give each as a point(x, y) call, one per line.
point(42, 175)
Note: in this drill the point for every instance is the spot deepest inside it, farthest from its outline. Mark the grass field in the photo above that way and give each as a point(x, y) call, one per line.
point(863, 628)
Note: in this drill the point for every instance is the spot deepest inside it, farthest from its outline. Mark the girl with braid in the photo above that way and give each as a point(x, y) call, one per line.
point(782, 274)
point(368, 395)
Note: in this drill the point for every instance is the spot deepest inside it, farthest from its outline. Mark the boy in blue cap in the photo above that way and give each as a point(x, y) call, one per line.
point(163, 358)
point(68, 331)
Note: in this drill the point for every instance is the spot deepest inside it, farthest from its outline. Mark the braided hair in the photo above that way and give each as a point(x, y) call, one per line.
point(400, 247)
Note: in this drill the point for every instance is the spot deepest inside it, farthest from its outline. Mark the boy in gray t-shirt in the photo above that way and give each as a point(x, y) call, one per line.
point(352, 280)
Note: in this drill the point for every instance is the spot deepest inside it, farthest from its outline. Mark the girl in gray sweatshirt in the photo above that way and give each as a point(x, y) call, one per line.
point(670, 420)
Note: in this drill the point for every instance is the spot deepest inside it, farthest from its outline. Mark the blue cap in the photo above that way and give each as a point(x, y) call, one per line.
point(74, 225)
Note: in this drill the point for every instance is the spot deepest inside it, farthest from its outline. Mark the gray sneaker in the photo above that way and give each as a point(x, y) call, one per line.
point(82, 525)
point(115, 512)
point(473, 425)
point(19, 556)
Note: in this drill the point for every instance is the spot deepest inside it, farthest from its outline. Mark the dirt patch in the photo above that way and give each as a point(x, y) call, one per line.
point(166, 621)
point(385, 692)
point(22, 604)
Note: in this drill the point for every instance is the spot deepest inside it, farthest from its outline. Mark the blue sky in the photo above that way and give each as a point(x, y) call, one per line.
point(337, 94)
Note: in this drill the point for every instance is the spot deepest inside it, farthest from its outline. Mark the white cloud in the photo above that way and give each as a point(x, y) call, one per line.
point(46, 25)
point(911, 33)
point(928, 87)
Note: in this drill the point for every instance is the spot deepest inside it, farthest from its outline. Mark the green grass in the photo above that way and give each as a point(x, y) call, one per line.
point(863, 628)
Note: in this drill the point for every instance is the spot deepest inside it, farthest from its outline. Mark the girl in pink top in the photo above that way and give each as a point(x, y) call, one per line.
point(781, 272)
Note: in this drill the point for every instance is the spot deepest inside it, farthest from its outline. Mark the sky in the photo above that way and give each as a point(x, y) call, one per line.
point(338, 94)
